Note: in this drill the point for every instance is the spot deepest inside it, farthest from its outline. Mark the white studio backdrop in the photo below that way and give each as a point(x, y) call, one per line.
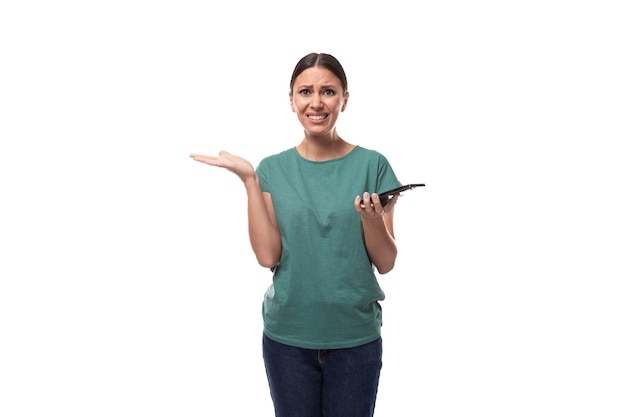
point(127, 285)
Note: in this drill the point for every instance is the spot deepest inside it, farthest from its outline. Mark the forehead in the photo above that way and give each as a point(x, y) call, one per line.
point(317, 76)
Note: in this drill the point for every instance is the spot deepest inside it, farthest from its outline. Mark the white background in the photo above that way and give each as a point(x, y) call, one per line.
point(128, 287)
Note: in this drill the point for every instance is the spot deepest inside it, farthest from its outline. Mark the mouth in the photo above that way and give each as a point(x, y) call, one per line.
point(317, 117)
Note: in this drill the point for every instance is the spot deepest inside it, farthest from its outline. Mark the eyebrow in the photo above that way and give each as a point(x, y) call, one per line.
point(322, 86)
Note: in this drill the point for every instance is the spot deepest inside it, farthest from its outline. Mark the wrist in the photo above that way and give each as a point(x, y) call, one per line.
point(251, 181)
point(373, 220)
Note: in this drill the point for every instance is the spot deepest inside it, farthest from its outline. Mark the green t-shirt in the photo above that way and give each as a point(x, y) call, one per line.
point(324, 292)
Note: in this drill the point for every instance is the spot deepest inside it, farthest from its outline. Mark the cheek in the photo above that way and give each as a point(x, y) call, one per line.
point(299, 106)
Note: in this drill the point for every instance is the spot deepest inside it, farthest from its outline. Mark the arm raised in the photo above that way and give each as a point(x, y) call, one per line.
point(262, 226)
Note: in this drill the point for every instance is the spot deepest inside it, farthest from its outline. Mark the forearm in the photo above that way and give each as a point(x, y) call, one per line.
point(262, 229)
point(380, 244)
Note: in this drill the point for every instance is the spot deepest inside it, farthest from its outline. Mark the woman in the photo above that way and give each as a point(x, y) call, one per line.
point(322, 343)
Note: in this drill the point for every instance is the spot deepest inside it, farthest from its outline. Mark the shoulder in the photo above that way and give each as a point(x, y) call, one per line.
point(369, 154)
point(379, 167)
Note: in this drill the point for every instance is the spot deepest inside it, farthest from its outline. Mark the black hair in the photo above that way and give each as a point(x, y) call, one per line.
point(320, 60)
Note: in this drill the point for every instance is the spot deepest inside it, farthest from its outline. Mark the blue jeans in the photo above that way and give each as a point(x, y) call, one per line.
point(323, 383)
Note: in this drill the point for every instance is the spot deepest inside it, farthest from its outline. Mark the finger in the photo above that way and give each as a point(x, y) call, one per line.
point(205, 159)
point(358, 204)
point(377, 206)
point(367, 201)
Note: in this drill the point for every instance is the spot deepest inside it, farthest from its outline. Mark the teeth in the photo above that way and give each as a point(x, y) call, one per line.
point(317, 117)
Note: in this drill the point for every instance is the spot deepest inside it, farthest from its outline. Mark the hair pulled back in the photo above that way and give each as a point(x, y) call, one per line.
point(320, 60)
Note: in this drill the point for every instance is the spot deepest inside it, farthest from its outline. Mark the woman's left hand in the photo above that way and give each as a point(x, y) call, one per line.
point(369, 206)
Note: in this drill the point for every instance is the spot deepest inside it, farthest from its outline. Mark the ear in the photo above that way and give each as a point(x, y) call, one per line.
point(345, 101)
point(291, 102)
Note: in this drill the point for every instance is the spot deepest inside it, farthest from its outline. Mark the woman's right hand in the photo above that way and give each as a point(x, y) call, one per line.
point(236, 164)
point(262, 226)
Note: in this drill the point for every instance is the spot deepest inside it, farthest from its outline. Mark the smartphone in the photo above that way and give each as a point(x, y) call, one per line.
point(386, 196)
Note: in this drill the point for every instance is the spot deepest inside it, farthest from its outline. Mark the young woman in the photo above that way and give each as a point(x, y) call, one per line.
point(322, 343)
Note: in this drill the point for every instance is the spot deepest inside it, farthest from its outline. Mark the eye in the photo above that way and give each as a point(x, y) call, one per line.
point(329, 92)
point(305, 92)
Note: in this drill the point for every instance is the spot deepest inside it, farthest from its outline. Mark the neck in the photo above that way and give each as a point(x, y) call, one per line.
point(318, 149)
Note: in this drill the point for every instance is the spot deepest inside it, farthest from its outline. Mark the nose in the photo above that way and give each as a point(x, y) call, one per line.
point(316, 101)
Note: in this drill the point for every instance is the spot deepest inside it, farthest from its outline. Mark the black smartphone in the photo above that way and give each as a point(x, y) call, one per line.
point(386, 196)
